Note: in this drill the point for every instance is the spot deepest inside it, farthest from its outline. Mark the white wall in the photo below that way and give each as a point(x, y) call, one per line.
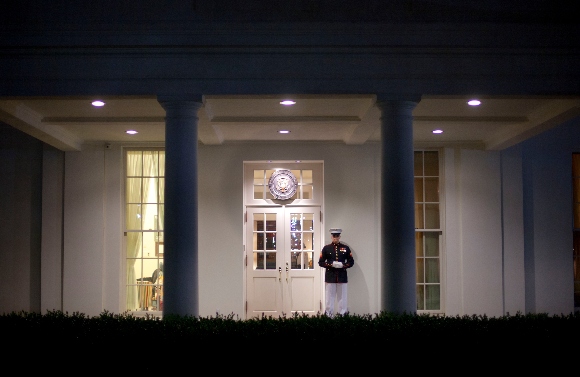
point(549, 222)
point(84, 231)
point(52, 220)
point(473, 233)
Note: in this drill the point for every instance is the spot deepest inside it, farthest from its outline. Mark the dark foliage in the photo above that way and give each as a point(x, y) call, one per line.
point(380, 335)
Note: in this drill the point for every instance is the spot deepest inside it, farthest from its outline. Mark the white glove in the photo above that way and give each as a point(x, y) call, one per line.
point(337, 264)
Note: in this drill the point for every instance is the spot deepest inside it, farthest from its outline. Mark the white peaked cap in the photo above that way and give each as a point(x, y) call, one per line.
point(335, 230)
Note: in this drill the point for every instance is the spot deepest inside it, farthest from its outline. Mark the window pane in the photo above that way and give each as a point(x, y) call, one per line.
point(420, 297)
point(419, 244)
point(259, 177)
point(134, 163)
point(150, 163)
point(150, 190)
point(307, 177)
point(432, 294)
point(432, 270)
point(431, 189)
point(307, 192)
point(419, 189)
point(431, 216)
point(133, 190)
point(420, 270)
point(133, 217)
point(418, 164)
point(161, 163)
point(149, 216)
point(419, 216)
point(431, 163)
point(431, 244)
point(149, 247)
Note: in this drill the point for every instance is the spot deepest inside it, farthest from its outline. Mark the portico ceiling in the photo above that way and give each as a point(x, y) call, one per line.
point(499, 122)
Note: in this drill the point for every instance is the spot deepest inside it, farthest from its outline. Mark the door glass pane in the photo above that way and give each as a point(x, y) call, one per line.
point(308, 221)
point(258, 261)
point(295, 260)
point(308, 242)
point(270, 241)
point(308, 260)
point(295, 223)
point(295, 241)
point(270, 261)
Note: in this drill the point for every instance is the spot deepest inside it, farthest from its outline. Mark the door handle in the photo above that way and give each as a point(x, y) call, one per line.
point(286, 272)
point(279, 273)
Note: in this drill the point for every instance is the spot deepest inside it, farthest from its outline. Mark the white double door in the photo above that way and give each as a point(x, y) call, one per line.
point(282, 272)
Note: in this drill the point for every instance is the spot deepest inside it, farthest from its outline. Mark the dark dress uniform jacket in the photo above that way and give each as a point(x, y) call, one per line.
point(335, 252)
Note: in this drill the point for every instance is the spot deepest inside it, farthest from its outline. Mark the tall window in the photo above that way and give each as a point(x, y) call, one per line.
point(144, 193)
point(576, 237)
point(427, 231)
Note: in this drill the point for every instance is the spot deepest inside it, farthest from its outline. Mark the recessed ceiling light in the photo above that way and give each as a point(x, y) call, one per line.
point(131, 132)
point(437, 131)
point(283, 132)
point(98, 103)
point(287, 102)
point(474, 102)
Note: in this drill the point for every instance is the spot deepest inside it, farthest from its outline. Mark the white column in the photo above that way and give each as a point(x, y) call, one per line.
point(180, 267)
point(398, 293)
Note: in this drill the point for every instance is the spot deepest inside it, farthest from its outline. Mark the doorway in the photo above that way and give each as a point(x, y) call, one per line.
point(283, 242)
point(283, 276)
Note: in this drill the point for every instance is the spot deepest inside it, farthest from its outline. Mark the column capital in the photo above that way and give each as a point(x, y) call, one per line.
point(395, 97)
point(181, 104)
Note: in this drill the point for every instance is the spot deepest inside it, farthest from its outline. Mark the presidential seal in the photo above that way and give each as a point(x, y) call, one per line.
point(283, 184)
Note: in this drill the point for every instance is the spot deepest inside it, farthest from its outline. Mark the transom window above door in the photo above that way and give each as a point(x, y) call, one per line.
point(304, 179)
